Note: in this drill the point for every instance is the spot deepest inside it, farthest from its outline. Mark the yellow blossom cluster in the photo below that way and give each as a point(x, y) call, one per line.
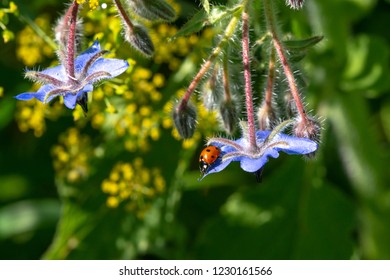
point(133, 186)
point(31, 47)
point(31, 115)
point(7, 34)
point(93, 4)
point(168, 51)
point(71, 156)
point(129, 112)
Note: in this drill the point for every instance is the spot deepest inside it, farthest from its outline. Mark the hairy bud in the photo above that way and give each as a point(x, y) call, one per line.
point(61, 31)
point(153, 10)
point(266, 117)
point(212, 91)
point(138, 38)
point(289, 104)
point(229, 115)
point(308, 128)
point(184, 117)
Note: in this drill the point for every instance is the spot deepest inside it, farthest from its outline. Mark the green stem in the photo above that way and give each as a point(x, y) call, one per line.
point(71, 40)
point(205, 67)
point(247, 77)
point(271, 23)
point(123, 14)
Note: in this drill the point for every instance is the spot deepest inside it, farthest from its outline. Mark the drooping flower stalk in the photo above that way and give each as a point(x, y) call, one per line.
point(209, 62)
point(269, 15)
point(247, 79)
point(266, 113)
point(123, 14)
point(71, 39)
point(134, 33)
point(227, 106)
point(270, 80)
point(225, 80)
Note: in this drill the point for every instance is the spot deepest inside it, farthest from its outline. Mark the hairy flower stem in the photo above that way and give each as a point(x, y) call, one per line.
point(270, 80)
point(269, 15)
point(225, 78)
point(247, 79)
point(123, 14)
point(205, 67)
point(73, 10)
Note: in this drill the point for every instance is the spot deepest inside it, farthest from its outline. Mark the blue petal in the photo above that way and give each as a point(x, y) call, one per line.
point(296, 145)
point(70, 99)
point(282, 142)
point(252, 165)
point(113, 66)
point(57, 72)
point(26, 96)
point(40, 94)
point(261, 135)
point(83, 58)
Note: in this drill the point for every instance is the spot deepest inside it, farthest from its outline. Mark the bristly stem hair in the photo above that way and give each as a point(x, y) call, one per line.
point(247, 79)
point(209, 62)
point(71, 47)
point(271, 24)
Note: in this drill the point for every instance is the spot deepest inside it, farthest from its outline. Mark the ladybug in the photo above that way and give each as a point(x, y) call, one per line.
point(207, 157)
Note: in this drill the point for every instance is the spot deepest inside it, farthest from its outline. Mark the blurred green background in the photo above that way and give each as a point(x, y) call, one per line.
point(59, 170)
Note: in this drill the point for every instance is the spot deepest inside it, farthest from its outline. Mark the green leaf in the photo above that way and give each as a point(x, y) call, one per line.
point(298, 48)
point(364, 161)
point(206, 5)
point(367, 69)
point(329, 223)
point(219, 13)
point(7, 108)
point(13, 187)
point(202, 19)
point(195, 24)
point(26, 216)
point(302, 45)
point(283, 218)
point(154, 10)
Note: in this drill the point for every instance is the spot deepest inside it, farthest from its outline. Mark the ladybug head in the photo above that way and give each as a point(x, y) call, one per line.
point(203, 166)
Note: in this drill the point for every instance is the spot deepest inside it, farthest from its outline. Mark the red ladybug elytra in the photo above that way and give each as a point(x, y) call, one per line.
point(207, 157)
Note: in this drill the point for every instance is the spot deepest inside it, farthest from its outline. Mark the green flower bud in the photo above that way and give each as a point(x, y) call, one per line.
point(212, 91)
point(184, 117)
point(229, 115)
point(266, 117)
point(308, 128)
point(153, 10)
point(139, 39)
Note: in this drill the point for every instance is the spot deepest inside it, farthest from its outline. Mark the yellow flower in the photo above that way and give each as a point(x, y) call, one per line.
point(71, 156)
point(134, 185)
point(112, 202)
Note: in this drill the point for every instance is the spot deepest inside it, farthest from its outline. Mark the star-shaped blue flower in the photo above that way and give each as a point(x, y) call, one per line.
point(252, 159)
point(89, 68)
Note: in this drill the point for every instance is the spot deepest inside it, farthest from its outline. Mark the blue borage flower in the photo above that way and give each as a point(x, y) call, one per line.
point(90, 68)
point(252, 159)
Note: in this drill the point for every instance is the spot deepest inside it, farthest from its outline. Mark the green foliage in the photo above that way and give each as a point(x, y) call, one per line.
point(336, 206)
